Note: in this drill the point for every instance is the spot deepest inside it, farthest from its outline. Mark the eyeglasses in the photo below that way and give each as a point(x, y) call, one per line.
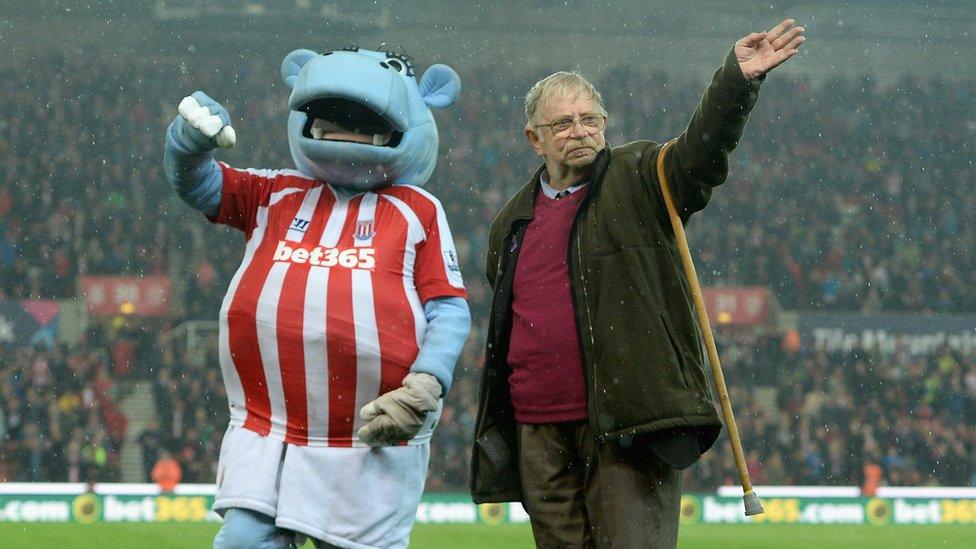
point(591, 123)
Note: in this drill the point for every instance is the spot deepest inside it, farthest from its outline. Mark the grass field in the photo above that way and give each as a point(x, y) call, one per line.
point(425, 536)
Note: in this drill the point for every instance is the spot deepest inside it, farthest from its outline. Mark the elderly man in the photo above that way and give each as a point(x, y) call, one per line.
point(594, 393)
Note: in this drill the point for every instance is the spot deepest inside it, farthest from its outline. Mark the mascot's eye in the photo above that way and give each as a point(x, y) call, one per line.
point(400, 62)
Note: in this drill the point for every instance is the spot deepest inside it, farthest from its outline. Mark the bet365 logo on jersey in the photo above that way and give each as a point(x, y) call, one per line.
point(321, 256)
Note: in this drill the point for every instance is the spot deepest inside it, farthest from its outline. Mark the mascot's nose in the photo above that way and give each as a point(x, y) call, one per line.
point(356, 77)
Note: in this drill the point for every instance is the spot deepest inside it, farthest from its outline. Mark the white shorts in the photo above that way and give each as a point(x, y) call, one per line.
point(349, 497)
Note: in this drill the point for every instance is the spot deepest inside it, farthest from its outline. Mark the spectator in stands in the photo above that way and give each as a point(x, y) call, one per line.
point(167, 472)
point(151, 444)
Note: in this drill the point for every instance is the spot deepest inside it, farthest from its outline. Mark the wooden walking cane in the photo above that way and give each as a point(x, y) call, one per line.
point(749, 498)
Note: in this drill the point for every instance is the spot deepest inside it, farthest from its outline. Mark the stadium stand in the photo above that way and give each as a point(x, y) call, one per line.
point(830, 205)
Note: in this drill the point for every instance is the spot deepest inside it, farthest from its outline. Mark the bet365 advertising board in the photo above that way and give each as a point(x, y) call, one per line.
point(38, 503)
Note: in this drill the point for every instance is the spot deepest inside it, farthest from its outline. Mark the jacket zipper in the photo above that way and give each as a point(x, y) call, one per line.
point(597, 179)
point(579, 323)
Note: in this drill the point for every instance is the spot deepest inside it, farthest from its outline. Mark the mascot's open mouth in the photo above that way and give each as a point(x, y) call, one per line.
point(337, 119)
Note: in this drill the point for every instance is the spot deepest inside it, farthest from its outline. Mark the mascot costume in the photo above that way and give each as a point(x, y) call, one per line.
point(340, 330)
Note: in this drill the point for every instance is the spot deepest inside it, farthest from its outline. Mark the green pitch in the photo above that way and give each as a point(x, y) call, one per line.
point(426, 536)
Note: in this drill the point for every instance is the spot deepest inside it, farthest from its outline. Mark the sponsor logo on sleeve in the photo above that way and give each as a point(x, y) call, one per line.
point(451, 261)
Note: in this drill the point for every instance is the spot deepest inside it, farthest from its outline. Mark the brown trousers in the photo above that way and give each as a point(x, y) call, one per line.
point(581, 493)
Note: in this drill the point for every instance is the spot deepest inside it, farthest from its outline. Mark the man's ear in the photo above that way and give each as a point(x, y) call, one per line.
point(534, 139)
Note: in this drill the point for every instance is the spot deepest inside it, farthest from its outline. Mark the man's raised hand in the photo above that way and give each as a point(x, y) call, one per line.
point(207, 122)
point(761, 52)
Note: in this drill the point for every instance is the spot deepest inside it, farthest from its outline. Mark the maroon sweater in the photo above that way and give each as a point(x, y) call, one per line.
point(547, 382)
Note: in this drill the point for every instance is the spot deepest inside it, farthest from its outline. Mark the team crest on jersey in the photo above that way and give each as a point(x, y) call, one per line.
point(364, 230)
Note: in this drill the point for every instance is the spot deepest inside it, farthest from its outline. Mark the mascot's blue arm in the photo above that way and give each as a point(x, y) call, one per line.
point(448, 325)
point(192, 171)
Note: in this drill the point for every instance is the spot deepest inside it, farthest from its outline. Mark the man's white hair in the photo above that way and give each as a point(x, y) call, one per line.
point(559, 84)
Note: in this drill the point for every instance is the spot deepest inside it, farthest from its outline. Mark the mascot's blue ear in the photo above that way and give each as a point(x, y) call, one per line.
point(440, 86)
point(293, 64)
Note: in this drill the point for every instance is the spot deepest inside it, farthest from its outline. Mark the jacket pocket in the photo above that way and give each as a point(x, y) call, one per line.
point(494, 447)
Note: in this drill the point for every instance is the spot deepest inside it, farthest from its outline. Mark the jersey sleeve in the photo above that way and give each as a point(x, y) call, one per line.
point(437, 273)
point(243, 191)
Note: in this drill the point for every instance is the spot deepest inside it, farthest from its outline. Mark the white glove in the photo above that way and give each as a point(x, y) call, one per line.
point(399, 414)
point(210, 118)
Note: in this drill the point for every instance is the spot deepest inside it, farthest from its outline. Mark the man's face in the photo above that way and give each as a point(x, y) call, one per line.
point(576, 147)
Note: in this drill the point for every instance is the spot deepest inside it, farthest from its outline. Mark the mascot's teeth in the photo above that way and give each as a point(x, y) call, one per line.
point(323, 130)
point(319, 128)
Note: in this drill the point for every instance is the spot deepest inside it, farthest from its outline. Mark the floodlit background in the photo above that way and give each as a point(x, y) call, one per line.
point(838, 258)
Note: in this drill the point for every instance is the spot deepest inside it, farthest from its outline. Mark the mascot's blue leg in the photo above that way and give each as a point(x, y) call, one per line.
point(244, 528)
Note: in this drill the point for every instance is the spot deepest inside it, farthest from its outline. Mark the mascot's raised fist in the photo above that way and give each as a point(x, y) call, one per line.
point(206, 122)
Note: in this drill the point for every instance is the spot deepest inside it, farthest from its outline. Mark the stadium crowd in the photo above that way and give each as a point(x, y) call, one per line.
point(835, 415)
point(830, 204)
point(59, 415)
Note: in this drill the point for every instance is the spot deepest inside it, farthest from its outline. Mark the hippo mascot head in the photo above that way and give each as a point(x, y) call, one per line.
point(360, 120)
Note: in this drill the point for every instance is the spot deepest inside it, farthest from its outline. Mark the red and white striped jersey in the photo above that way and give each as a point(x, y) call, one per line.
point(325, 312)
